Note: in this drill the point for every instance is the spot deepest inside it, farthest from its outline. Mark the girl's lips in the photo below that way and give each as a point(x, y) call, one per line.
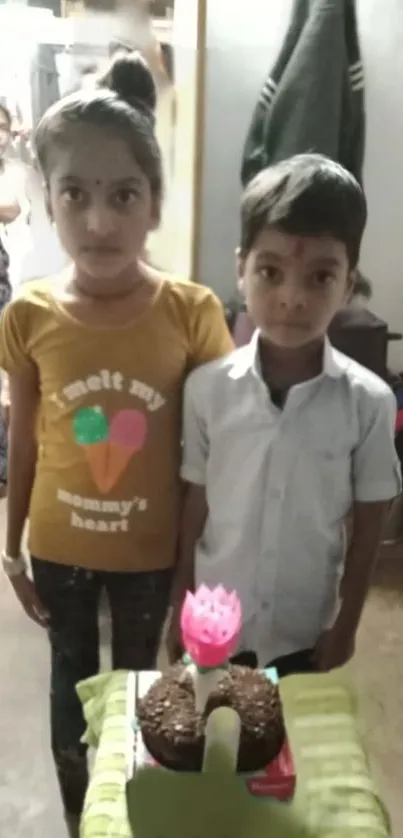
point(101, 250)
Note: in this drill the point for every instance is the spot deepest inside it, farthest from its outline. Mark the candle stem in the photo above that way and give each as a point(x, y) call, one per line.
point(205, 682)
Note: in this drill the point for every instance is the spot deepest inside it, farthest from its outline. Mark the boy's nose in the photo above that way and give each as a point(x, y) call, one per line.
point(291, 295)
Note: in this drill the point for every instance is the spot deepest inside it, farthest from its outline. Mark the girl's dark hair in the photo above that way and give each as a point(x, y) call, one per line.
point(89, 70)
point(5, 111)
point(119, 45)
point(305, 195)
point(124, 101)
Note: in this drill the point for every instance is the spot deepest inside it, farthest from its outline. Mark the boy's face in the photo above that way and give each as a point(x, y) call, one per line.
point(100, 201)
point(294, 285)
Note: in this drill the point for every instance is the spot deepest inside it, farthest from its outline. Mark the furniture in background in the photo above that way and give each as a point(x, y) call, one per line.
point(357, 332)
point(362, 336)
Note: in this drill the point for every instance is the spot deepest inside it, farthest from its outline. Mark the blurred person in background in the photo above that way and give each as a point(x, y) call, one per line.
point(14, 211)
point(14, 204)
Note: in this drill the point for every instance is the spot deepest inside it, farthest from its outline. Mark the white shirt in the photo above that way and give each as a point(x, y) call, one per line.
point(279, 484)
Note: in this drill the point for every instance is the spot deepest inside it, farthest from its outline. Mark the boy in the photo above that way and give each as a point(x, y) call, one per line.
point(285, 436)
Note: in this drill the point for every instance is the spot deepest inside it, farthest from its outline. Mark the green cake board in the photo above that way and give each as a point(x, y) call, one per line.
point(168, 805)
point(212, 804)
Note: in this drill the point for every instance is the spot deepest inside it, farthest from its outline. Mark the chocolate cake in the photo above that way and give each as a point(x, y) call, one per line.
point(173, 732)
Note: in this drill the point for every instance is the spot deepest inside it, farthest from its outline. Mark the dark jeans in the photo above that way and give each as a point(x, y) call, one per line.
point(293, 664)
point(138, 604)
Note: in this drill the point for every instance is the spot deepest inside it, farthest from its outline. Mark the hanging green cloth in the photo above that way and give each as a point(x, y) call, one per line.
point(313, 97)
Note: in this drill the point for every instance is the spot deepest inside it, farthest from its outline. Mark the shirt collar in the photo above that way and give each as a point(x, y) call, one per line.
point(333, 361)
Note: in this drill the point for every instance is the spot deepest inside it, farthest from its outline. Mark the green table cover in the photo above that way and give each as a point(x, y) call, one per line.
point(335, 796)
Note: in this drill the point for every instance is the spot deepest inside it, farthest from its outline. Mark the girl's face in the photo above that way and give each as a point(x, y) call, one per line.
point(100, 201)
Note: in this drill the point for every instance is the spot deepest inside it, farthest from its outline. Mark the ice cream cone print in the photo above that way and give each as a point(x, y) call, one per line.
point(97, 456)
point(118, 459)
point(109, 448)
point(127, 435)
point(90, 428)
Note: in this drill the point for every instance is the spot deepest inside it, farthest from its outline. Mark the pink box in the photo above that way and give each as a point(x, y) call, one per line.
point(277, 780)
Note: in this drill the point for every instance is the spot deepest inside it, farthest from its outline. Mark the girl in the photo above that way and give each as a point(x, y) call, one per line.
point(97, 359)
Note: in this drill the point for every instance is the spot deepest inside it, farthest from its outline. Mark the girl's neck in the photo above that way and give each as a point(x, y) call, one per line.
point(109, 290)
point(127, 304)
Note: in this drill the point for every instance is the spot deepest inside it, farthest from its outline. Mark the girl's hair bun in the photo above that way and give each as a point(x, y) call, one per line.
point(129, 76)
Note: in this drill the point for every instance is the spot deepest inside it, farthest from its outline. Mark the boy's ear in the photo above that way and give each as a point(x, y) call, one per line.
point(351, 280)
point(48, 205)
point(240, 270)
point(156, 215)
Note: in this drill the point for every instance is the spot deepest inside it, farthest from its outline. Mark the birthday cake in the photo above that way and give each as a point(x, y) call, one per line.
point(174, 712)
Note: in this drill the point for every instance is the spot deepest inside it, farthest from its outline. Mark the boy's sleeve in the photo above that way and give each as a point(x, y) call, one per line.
point(195, 437)
point(210, 336)
point(376, 467)
point(14, 355)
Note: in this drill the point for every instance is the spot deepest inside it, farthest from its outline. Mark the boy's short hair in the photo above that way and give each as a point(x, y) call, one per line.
point(305, 195)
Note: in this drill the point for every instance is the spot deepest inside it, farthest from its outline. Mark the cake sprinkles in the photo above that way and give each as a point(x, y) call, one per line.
point(173, 731)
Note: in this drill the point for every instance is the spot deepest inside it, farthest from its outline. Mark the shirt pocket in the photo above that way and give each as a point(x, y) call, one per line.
point(236, 473)
point(327, 473)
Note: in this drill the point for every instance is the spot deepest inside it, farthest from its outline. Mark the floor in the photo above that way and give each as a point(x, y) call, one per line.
point(29, 804)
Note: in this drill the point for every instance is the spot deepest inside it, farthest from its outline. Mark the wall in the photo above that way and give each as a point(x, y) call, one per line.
point(242, 46)
point(179, 209)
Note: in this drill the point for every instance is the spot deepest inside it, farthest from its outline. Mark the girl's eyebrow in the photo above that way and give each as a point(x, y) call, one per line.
point(69, 179)
point(126, 181)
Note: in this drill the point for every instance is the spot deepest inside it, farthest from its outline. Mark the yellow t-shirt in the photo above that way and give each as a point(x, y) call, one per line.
point(106, 490)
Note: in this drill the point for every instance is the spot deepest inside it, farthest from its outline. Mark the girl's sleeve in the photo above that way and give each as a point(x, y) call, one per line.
point(14, 355)
point(210, 336)
point(195, 436)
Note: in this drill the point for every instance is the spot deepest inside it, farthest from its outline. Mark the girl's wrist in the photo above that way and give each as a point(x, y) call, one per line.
point(13, 565)
point(13, 548)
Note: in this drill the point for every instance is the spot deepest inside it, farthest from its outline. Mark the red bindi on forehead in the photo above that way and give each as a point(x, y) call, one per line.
point(298, 247)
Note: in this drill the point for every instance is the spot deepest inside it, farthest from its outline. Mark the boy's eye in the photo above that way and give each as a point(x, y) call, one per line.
point(270, 273)
point(322, 278)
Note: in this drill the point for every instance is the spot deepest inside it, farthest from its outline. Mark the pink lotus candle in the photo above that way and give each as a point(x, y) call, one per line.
point(211, 624)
